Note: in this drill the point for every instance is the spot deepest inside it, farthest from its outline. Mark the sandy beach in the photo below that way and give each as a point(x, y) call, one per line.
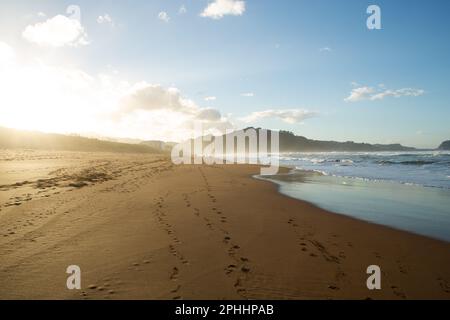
point(140, 227)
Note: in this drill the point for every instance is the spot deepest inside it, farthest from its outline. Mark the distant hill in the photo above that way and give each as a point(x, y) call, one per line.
point(292, 143)
point(17, 139)
point(445, 145)
point(289, 142)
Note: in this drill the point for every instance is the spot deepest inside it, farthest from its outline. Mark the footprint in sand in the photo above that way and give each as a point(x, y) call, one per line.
point(401, 267)
point(208, 223)
point(333, 287)
point(174, 274)
point(340, 275)
point(173, 251)
point(176, 289)
point(231, 268)
point(398, 292)
point(445, 286)
point(232, 252)
point(245, 269)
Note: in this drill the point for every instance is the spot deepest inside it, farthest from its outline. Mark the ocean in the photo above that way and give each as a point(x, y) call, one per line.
point(404, 190)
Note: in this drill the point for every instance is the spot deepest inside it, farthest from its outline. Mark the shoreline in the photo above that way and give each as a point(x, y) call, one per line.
point(347, 216)
point(152, 230)
point(344, 215)
point(312, 178)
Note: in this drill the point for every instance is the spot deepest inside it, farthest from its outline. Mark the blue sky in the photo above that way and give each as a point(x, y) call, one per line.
point(300, 60)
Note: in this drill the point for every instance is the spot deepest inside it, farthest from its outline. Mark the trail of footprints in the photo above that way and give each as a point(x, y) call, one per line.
point(110, 286)
point(174, 251)
point(107, 288)
point(142, 172)
point(315, 249)
point(239, 268)
point(16, 201)
point(49, 187)
point(25, 225)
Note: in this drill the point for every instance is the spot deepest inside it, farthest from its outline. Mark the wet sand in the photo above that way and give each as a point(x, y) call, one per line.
point(141, 228)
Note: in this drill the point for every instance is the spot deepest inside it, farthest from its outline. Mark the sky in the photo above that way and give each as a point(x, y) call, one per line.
point(154, 69)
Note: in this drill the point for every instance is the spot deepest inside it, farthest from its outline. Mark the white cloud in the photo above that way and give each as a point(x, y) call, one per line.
point(247, 94)
point(7, 54)
point(182, 10)
point(210, 98)
point(43, 97)
point(372, 94)
point(41, 14)
point(163, 16)
point(58, 31)
point(359, 93)
point(290, 116)
point(144, 96)
point(106, 18)
point(325, 49)
point(179, 113)
point(219, 8)
point(38, 96)
point(404, 92)
point(150, 97)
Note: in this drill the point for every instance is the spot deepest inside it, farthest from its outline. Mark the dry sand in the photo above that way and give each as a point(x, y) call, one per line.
point(142, 228)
